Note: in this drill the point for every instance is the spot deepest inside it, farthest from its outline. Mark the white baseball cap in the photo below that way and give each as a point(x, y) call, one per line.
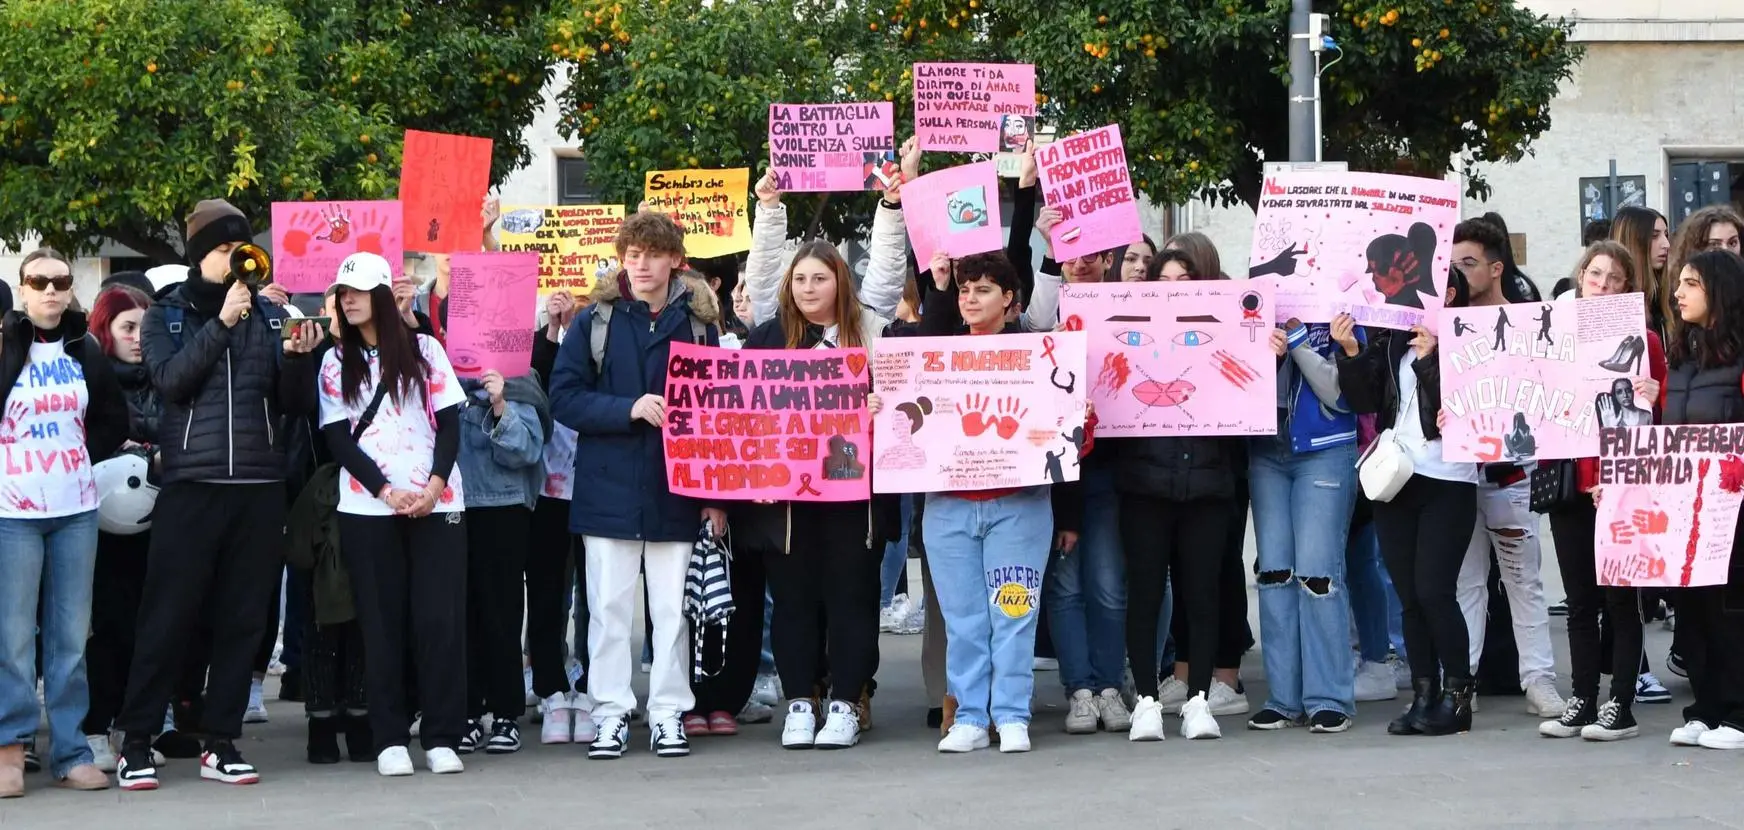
point(364, 271)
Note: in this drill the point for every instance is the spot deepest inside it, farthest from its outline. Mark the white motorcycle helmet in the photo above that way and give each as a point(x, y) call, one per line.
point(124, 497)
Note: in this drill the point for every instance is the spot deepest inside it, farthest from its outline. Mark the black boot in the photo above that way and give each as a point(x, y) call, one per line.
point(1453, 713)
point(359, 739)
point(324, 740)
point(1425, 692)
point(291, 685)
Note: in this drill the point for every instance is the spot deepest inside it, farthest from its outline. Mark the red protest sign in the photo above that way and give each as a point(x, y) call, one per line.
point(443, 179)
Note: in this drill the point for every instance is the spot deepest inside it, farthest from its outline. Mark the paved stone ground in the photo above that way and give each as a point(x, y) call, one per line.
point(1500, 775)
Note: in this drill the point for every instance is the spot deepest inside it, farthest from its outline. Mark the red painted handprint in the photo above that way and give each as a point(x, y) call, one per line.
point(1011, 411)
point(338, 225)
point(1650, 521)
point(1731, 474)
point(974, 410)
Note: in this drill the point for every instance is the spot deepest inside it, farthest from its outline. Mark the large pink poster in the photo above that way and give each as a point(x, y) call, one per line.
point(974, 107)
point(978, 413)
point(492, 298)
point(955, 210)
point(784, 425)
point(1538, 380)
point(822, 147)
point(1085, 178)
point(310, 239)
point(1177, 358)
point(1379, 244)
point(1668, 504)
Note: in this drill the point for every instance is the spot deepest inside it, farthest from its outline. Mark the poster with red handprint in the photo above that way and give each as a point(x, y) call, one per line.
point(1378, 244)
point(978, 413)
point(1667, 502)
point(311, 239)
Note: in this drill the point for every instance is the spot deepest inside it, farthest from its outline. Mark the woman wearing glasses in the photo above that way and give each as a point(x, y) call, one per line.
point(64, 411)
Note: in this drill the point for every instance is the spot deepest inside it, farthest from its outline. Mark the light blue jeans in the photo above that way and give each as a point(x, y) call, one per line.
point(1085, 593)
point(54, 561)
point(1373, 604)
point(1301, 506)
point(987, 559)
point(895, 554)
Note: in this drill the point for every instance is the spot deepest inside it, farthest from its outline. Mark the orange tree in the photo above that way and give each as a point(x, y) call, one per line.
point(117, 115)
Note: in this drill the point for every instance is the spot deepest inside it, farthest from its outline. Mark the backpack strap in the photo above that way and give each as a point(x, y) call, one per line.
point(175, 318)
point(698, 331)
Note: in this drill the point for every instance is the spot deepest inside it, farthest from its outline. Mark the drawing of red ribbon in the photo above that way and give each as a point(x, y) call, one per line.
point(1250, 315)
point(1048, 351)
point(805, 487)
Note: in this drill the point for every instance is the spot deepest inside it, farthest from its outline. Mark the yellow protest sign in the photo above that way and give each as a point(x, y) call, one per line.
point(574, 242)
point(710, 205)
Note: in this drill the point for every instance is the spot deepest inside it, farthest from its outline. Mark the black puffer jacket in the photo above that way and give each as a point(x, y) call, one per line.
point(226, 391)
point(1176, 469)
point(105, 408)
point(144, 407)
point(1370, 381)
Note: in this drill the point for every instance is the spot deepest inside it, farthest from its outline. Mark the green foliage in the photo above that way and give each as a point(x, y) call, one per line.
point(117, 115)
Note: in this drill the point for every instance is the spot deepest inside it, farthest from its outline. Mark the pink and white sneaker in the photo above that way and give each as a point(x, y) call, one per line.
point(558, 719)
point(581, 714)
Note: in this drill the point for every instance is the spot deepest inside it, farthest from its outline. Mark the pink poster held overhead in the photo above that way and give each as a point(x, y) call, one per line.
point(974, 107)
point(1085, 178)
point(1668, 504)
point(1538, 380)
point(825, 147)
point(784, 425)
point(1380, 244)
point(978, 413)
point(955, 210)
point(491, 301)
point(310, 239)
point(1177, 358)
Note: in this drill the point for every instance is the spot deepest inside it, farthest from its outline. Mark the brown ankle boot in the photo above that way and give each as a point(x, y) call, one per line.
point(12, 771)
point(866, 710)
point(950, 715)
point(85, 777)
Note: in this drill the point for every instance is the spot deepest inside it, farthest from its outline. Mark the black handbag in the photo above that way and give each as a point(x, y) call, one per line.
point(1554, 486)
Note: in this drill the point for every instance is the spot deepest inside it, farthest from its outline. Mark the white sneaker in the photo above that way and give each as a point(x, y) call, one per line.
point(1171, 693)
point(1542, 699)
point(582, 728)
point(1374, 681)
point(1401, 673)
point(913, 622)
point(417, 723)
point(755, 712)
point(1111, 708)
point(443, 761)
point(890, 618)
point(1723, 738)
point(841, 727)
point(558, 726)
point(394, 762)
point(964, 738)
point(1225, 700)
point(1147, 721)
point(256, 712)
point(1014, 737)
point(1689, 734)
point(767, 690)
point(102, 754)
point(799, 730)
point(1046, 664)
point(1196, 720)
point(1081, 718)
point(527, 682)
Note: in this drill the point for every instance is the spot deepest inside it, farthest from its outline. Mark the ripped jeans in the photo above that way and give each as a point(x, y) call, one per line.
point(1301, 508)
point(1506, 523)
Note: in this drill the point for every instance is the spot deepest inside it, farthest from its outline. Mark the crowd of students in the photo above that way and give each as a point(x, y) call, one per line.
point(428, 516)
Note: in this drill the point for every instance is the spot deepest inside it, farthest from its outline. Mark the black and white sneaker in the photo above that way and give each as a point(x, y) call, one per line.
point(135, 770)
point(1578, 714)
point(32, 761)
point(1269, 719)
point(1614, 723)
point(472, 738)
point(614, 735)
point(667, 739)
point(1328, 721)
point(1674, 664)
point(221, 762)
point(505, 737)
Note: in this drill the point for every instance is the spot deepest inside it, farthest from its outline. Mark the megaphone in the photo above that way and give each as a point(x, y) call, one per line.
point(250, 265)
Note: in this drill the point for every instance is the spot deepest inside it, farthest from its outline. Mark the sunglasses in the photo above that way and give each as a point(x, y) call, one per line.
point(38, 283)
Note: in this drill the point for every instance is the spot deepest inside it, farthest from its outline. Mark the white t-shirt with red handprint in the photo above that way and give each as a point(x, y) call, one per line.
point(401, 440)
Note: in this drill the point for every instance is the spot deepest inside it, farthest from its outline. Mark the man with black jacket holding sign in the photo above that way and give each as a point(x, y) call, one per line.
point(230, 378)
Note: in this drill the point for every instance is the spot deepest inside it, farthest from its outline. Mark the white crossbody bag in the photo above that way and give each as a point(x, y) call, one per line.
point(1385, 466)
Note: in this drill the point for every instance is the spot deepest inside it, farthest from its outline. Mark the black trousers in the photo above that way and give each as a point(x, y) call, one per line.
point(729, 686)
point(332, 661)
point(1234, 634)
point(828, 570)
point(1712, 622)
point(496, 559)
point(1572, 528)
point(216, 550)
point(115, 593)
point(552, 557)
point(1182, 542)
point(270, 636)
point(1423, 533)
point(409, 580)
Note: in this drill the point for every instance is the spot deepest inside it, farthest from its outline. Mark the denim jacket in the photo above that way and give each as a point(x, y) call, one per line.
point(502, 461)
point(1306, 377)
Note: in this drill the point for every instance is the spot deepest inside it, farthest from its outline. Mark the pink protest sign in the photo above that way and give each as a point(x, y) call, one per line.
point(1177, 358)
point(492, 298)
point(1538, 380)
point(955, 210)
point(1380, 243)
point(788, 425)
point(978, 413)
point(822, 147)
point(1307, 299)
point(1668, 504)
point(974, 107)
point(1085, 178)
point(310, 239)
